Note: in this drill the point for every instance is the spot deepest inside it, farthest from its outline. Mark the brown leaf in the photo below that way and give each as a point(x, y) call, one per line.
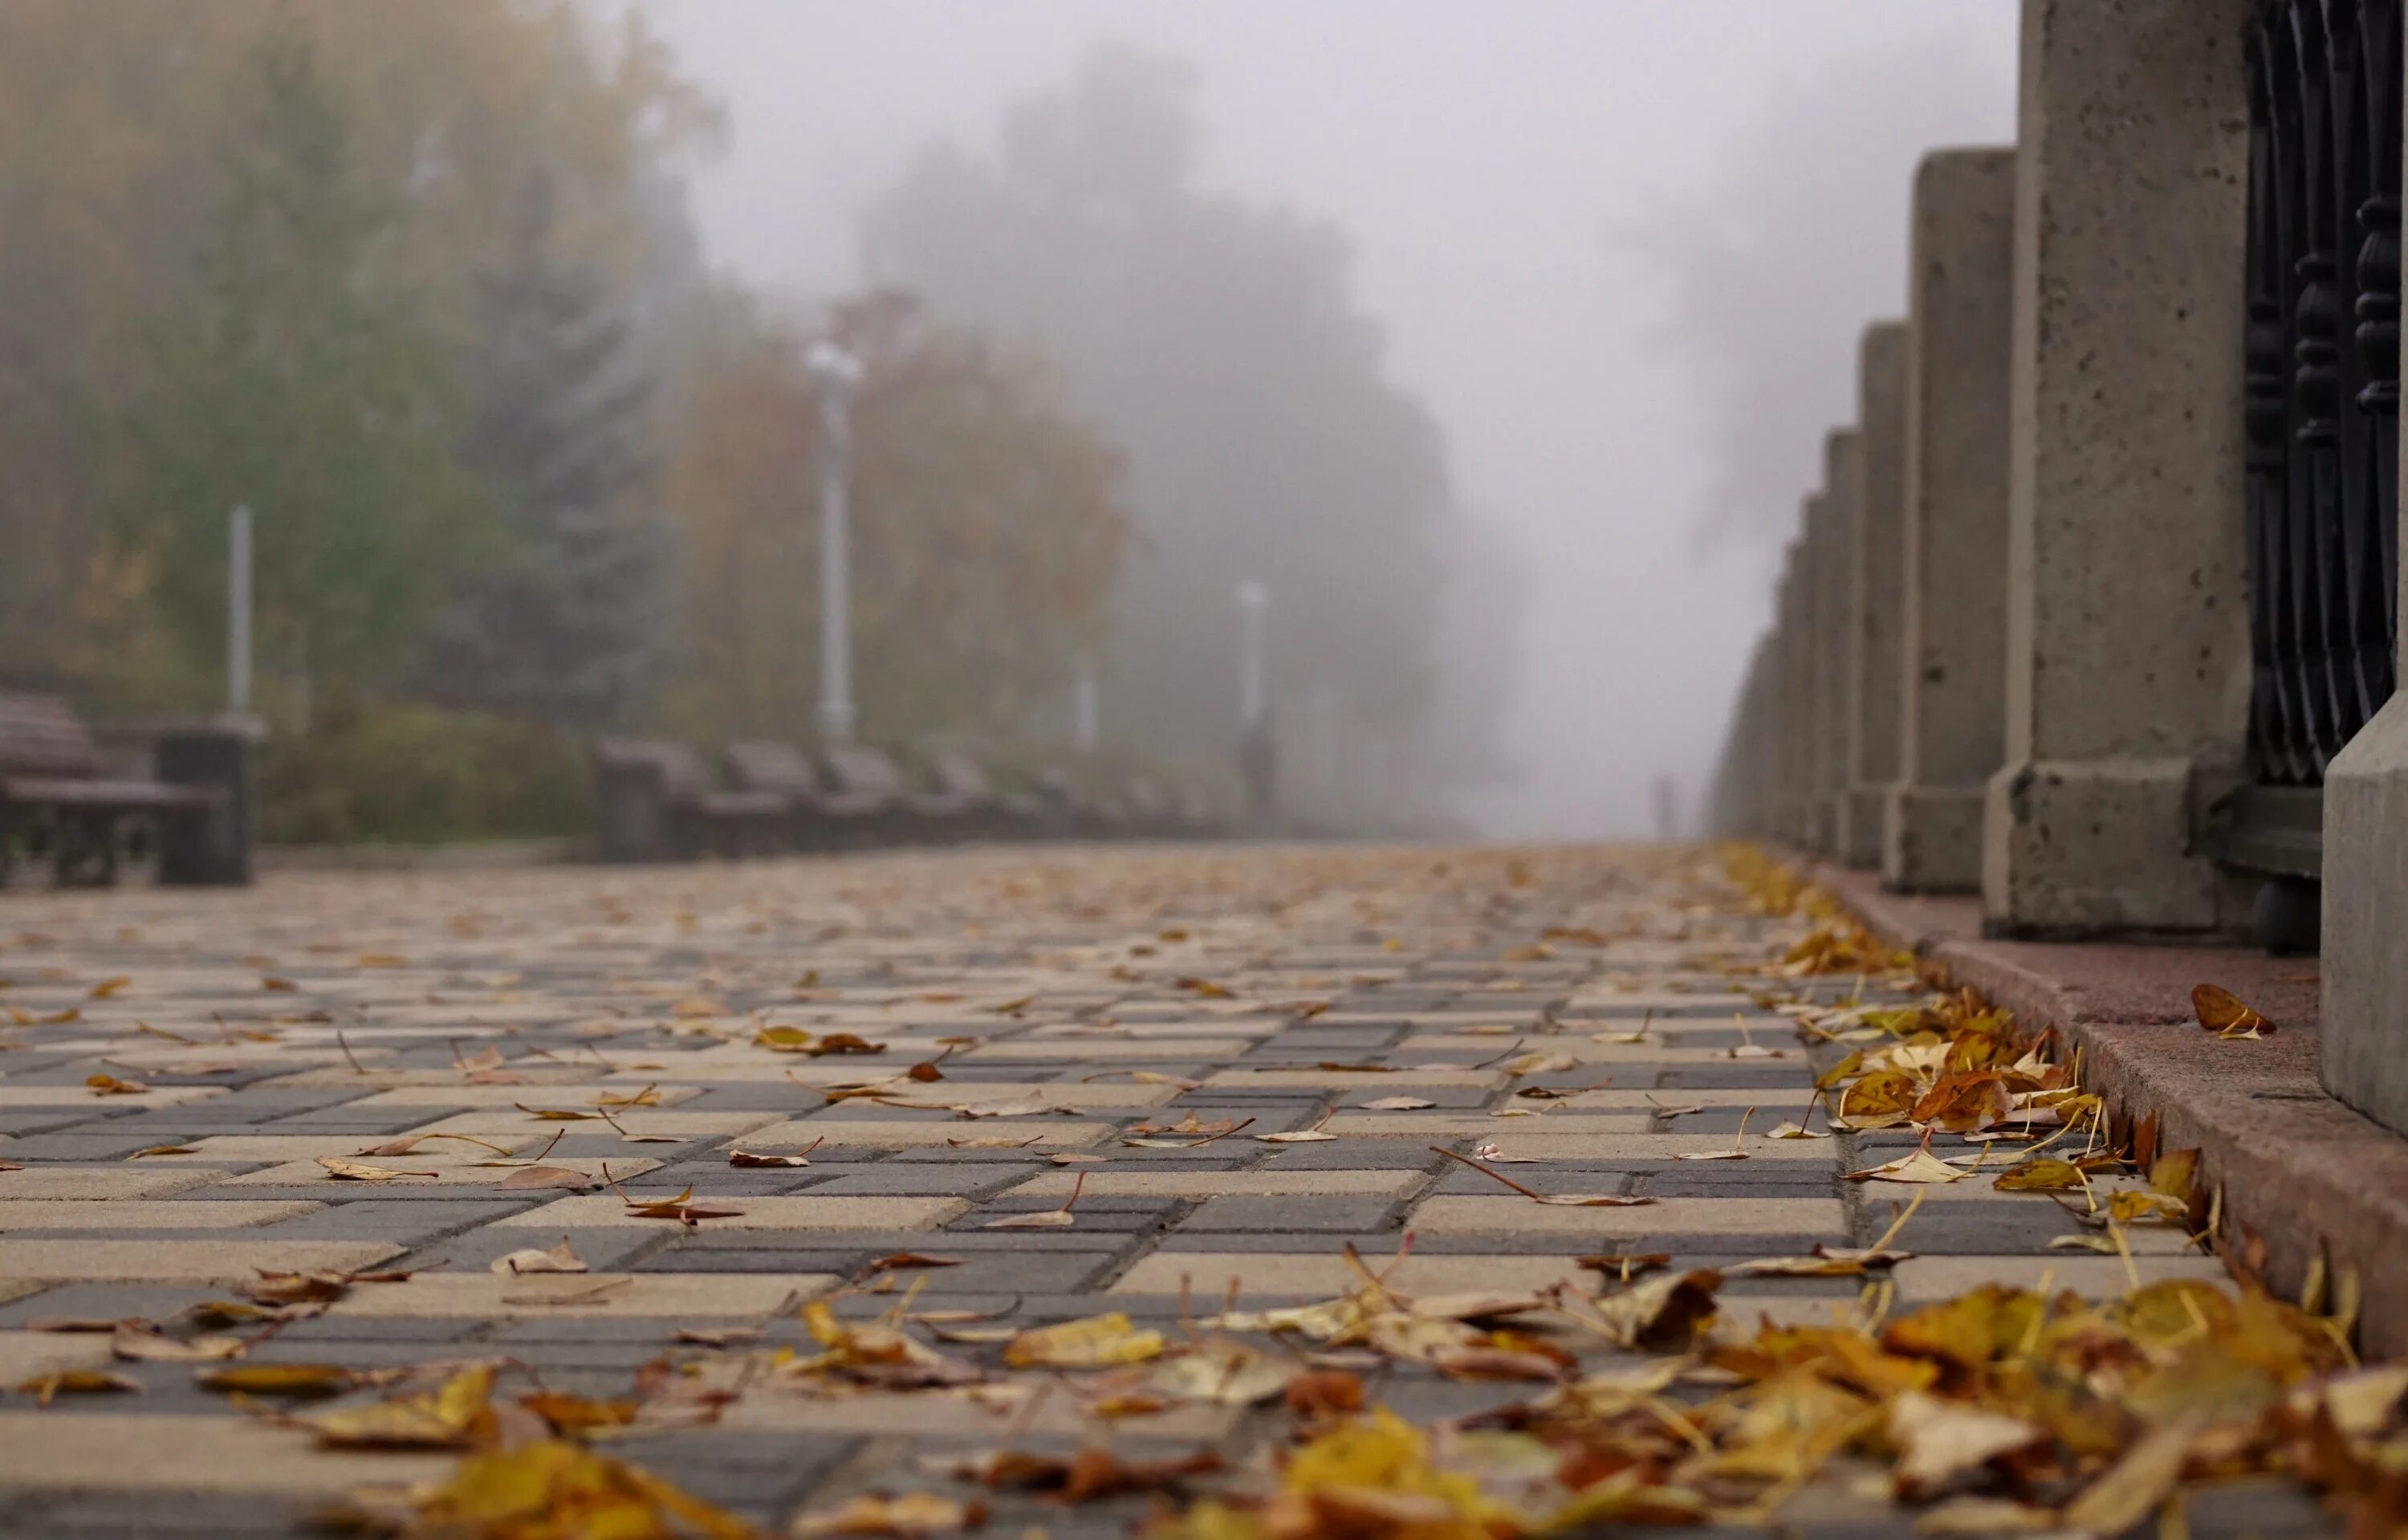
point(545, 1176)
point(2223, 1013)
point(746, 1159)
point(353, 1171)
point(109, 1085)
point(909, 1516)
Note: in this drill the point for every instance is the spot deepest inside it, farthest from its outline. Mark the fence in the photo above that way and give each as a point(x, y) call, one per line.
point(2096, 612)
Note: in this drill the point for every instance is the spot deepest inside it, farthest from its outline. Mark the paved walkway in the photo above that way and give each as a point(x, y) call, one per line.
point(973, 1091)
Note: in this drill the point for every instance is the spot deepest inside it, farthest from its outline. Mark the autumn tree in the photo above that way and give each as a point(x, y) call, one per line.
point(299, 376)
point(987, 534)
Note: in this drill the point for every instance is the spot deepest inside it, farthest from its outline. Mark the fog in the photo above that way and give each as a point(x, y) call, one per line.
point(1621, 251)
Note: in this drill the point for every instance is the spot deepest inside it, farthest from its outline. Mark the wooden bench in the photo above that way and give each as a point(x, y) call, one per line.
point(818, 817)
point(660, 802)
point(960, 776)
point(857, 769)
point(58, 797)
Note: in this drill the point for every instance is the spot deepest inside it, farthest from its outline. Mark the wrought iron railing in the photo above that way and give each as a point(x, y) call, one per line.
point(2322, 397)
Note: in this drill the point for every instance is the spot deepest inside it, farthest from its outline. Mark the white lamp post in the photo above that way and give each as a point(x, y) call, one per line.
point(1253, 601)
point(837, 375)
point(238, 612)
point(1086, 706)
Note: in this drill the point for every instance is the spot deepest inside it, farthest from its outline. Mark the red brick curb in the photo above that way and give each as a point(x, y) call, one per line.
point(2300, 1167)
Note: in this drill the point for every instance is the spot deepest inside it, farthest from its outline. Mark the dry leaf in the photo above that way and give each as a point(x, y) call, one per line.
point(748, 1160)
point(1942, 1441)
point(278, 1379)
point(560, 1259)
point(1661, 1312)
point(2223, 1013)
point(109, 1085)
point(1096, 1342)
point(546, 1176)
point(1922, 1167)
point(140, 1344)
point(908, 1516)
point(79, 1382)
point(1399, 1103)
point(1052, 1219)
point(353, 1171)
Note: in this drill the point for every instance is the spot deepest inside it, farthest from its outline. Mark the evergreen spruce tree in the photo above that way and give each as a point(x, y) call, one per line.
point(567, 627)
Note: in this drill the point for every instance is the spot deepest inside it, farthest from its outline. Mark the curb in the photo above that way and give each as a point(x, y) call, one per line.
point(2311, 1176)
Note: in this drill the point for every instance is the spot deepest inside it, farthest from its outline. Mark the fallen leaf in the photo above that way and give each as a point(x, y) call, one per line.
point(546, 1176)
point(1096, 1342)
point(1399, 1103)
point(1662, 1311)
point(560, 1259)
point(108, 988)
point(2223, 1013)
point(109, 1085)
point(354, 1171)
point(744, 1159)
point(140, 1344)
point(278, 1379)
point(1940, 1441)
point(79, 1382)
point(2137, 1484)
point(1922, 1167)
point(1051, 1218)
point(678, 1208)
point(166, 1149)
point(904, 1517)
point(445, 1417)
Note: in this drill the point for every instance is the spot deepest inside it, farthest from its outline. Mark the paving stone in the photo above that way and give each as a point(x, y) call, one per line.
point(1213, 1184)
point(178, 1260)
point(20, 1215)
point(56, 1449)
point(491, 1296)
point(1281, 1215)
point(1821, 1218)
point(801, 1213)
point(96, 1182)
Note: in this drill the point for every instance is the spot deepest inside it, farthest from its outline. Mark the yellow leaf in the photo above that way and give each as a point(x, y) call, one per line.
point(1096, 1342)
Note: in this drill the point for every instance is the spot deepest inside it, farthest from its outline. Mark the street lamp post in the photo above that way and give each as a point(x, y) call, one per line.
point(238, 612)
point(837, 375)
point(1086, 706)
point(1253, 601)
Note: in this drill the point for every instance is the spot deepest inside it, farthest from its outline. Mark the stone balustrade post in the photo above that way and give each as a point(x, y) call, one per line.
point(1952, 640)
point(2362, 1009)
point(1878, 558)
point(1831, 539)
point(2128, 661)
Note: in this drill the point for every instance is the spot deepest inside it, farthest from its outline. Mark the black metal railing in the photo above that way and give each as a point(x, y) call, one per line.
point(2322, 394)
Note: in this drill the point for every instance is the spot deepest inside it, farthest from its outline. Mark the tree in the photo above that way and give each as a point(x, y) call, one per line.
point(1220, 344)
point(988, 532)
point(569, 625)
point(299, 376)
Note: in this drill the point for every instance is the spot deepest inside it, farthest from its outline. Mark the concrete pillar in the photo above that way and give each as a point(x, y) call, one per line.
point(1953, 637)
point(2363, 1013)
point(1832, 538)
point(1790, 753)
point(2127, 661)
point(1878, 557)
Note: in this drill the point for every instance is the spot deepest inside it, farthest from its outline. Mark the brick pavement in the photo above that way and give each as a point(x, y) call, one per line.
point(1120, 1038)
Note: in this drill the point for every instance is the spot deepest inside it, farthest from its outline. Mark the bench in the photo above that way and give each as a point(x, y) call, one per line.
point(857, 769)
point(960, 776)
point(58, 796)
point(818, 817)
point(660, 803)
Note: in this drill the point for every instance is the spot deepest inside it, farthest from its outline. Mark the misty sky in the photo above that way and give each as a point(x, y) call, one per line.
point(1486, 156)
